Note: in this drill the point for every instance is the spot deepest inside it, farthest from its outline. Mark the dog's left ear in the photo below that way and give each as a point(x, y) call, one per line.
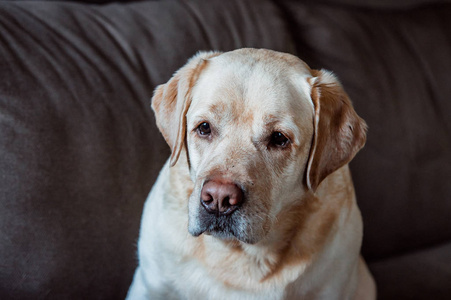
point(339, 133)
point(172, 100)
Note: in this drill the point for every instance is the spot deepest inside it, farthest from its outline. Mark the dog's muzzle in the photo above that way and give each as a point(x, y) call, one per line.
point(220, 201)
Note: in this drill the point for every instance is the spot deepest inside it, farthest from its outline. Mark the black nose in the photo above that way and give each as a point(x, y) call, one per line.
point(221, 198)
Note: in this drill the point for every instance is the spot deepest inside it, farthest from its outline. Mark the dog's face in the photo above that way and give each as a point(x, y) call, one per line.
point(249, 121)
point(250, 124)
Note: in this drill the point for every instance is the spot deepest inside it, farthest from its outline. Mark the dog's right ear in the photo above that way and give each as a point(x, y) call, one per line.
point(172, 100)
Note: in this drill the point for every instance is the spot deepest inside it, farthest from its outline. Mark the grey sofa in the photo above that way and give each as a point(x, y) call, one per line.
point(79, 149)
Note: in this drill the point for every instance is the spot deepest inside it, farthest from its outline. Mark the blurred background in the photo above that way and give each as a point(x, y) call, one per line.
point(79, 150)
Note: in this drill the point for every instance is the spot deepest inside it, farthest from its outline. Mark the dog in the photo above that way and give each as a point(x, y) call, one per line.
point(256, 200)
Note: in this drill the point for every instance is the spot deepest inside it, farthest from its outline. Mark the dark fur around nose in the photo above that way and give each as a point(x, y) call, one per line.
point(221, 198)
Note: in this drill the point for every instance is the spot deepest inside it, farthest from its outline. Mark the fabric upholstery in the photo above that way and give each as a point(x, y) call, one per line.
point(378, 4)
point(385, 4)
point(79, 149)
point(420, 275)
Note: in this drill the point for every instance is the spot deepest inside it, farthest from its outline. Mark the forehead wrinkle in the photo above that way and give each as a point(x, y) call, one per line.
point(217, 107)
point(222, 114)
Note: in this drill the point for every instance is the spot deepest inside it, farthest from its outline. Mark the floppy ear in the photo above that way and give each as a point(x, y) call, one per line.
point(171, 101)
point(339, 133)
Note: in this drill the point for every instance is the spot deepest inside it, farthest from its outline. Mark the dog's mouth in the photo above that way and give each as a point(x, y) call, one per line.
point(224, 227)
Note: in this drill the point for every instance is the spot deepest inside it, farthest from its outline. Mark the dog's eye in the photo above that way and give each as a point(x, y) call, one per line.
point(204, 129)
point(278, 139)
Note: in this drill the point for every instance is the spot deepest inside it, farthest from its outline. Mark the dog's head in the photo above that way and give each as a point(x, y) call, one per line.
point(260, 130)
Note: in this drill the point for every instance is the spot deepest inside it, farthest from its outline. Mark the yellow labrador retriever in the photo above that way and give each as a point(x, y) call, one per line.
point(256, 200)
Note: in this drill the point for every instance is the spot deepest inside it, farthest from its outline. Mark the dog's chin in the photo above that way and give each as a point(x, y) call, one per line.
point(229, 237)
point(225, 236)
point(222, 230)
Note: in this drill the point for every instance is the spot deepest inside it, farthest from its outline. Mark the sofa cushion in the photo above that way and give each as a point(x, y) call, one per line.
point(378, 4)
point(79, 149)
point(395, 66)
point(424, 274)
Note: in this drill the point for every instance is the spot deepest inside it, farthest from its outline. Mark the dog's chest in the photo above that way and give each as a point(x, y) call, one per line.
point(193, 280)
point(197, 269)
